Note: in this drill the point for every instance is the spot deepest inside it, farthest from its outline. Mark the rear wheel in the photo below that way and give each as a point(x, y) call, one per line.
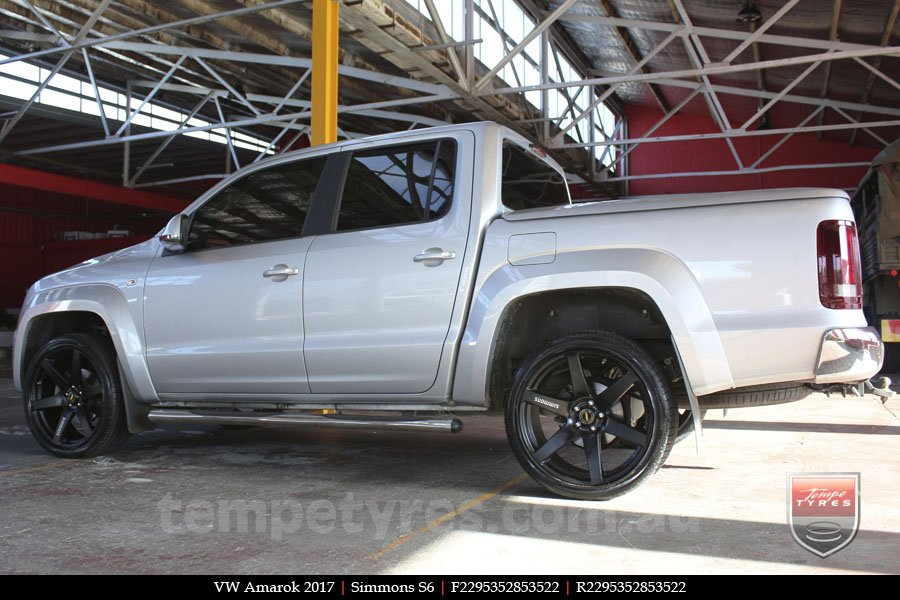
point(73, 398)
point(591, 416)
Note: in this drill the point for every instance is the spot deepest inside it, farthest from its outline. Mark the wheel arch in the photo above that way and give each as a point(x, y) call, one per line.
point(98, 309)
point(591, 286)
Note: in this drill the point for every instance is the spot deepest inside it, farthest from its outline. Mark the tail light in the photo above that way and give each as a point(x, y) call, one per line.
point(840, 274)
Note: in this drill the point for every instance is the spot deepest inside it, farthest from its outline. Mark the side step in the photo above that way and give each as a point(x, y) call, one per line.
point(304, 419)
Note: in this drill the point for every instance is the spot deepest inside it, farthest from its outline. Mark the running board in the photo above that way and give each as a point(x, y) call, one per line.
point(303, 419)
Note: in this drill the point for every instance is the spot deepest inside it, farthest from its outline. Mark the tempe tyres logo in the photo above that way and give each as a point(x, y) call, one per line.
point(823, 510)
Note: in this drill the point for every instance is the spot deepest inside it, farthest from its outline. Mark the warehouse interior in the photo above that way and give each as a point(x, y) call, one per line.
point(117, 114)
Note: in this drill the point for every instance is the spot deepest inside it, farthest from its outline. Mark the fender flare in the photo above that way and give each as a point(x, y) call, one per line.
point(659, 275)
point(108, 303)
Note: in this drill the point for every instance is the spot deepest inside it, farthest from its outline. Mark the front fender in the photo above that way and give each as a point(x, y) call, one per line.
point(665, 279)
point(107, 302)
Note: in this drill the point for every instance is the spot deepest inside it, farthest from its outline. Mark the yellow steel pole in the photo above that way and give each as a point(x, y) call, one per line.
point(324, 72)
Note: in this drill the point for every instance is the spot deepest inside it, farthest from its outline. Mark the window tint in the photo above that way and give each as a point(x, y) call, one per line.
point(266, 205)
point(529, 182)
point(396, 185)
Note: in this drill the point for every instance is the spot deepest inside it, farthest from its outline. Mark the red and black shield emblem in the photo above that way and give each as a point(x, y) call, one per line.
point(823, 510)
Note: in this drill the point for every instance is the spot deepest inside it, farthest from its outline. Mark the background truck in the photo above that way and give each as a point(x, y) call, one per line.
point(876, 206)
point(403, 280)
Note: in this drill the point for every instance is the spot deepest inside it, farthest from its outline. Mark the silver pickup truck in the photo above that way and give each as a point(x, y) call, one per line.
point(401, 281)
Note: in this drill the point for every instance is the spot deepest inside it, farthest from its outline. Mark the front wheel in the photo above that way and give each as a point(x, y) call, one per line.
point(590, 416)
point(73, 398)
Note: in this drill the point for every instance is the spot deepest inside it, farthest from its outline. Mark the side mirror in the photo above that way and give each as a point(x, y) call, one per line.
point(175, 234)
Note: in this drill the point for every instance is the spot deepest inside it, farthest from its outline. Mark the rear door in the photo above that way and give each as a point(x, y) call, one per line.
point(380, 291)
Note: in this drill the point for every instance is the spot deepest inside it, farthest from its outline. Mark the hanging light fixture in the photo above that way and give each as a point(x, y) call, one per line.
point(749, 13)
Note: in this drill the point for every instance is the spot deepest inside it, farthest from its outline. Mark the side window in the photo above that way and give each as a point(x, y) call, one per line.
point(267, 205)
point(398, 185)
point(529, 182)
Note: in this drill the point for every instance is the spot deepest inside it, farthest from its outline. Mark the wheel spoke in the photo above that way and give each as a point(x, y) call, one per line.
point(629, 434)
point(593, 455)
point(75, 368)
point(576, 371)
point(92, 388)
point(48, 402)
point(614, 392)
point(81, 423)
point(547, 403)
point(55, 375)
point(553, 445)
point(64, 420)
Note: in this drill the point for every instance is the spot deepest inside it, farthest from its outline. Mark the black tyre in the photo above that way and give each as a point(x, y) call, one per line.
point(576, 406)
point(73, 397)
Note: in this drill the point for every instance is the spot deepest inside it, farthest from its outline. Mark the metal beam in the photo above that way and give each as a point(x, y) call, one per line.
point(445, 39)
point(709, 70)
point(165, 143)
point(784, 140)
point(885, 39)
point(306, 104)
point(611, 89)
point(725, 34)
point(147, 30)
point(148, 97)
point(90, 72)
point(849, 165)
point(784, 92)
point(832, 36)
point(684, 102)
point(632, 49)
point(530, 37)
point(737, 133)
point(259, 120)
point(760, 31)
point(809, 100)
point(275, 60)
point(847, 116)
point(700, 58)
point(375, 35)
point(325, 72)
point(878, 73)
point(69, 51)
point(85, 188)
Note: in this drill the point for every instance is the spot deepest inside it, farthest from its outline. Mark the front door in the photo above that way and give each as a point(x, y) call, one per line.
point(226, 315)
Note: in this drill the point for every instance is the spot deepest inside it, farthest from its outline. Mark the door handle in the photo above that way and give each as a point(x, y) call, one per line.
point(433, 257)
point(280, 272)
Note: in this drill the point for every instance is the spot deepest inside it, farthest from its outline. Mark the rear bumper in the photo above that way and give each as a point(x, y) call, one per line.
point(849, 355)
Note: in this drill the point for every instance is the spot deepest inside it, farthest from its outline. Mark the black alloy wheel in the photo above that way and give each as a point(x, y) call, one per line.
point(591, 415)
point(73, 399)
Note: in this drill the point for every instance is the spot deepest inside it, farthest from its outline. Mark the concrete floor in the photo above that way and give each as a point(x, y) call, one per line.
point(213, 500)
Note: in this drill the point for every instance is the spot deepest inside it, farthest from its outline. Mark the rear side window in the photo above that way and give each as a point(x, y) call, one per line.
point(266, 205)
point(528, 182)
point(398, 185)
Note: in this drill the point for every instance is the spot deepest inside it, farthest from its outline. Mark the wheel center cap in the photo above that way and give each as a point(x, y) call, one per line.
point(73, 396)
point(586, 417)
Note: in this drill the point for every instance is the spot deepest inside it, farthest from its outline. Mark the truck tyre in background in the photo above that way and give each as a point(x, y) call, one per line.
point(73, 397)
point(591, 415)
